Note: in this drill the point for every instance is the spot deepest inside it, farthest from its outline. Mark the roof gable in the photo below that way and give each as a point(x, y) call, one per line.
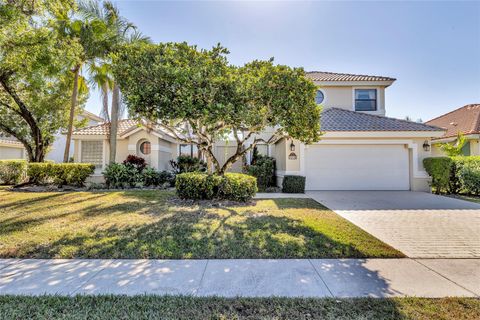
point(465, 120)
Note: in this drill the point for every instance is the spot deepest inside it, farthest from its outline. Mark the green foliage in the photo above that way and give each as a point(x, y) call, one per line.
point(439, 168)
point(237, 187)
point(35, 78)
point(72, 174)
point(202, 186)
point(152, 177)
point(454, 149)
point(293, 184)
point(118, 175)
point(188, 164)
point(263, 168)
point(465, 175)
point(469, 176)
point(12, 171)
point(176, 84)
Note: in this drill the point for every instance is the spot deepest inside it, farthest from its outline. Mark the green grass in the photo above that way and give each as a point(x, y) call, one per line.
point(471, 198)
point(148, 224)
point(175, 307)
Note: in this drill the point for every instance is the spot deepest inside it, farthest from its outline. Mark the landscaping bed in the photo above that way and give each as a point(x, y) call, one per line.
point(155, 224)
point(178, 307)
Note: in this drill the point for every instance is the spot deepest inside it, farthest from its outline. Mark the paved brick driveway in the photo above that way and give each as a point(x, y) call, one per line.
point(419, 224)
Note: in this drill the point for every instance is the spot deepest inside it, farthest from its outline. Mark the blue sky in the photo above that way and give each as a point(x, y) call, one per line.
point(432, 48)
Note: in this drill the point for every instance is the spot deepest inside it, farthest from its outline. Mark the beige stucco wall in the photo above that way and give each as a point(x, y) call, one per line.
point(162, 151)
point(223, 152)
point(474, 147)
point(343, 97)
point(11, 153)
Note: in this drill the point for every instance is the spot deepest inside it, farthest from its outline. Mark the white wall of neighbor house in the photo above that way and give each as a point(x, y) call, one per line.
point(7, 152)
point(58, 147)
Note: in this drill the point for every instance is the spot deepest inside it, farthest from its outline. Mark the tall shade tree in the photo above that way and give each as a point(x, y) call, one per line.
point(200, 98)
point(34, 79)
point(121, 31)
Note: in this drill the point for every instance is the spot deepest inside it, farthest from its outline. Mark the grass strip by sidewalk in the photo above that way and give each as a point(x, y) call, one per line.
point(152, 224)
point(178, 307)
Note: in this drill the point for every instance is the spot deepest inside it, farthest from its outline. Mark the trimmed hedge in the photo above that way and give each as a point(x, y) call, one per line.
point(293, 184)
point(459, 174)
point(439, 169)
point(72, 174)
point(13, 171)
point(202, 186)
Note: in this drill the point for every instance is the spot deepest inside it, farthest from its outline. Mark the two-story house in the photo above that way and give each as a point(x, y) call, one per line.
point(360, 148)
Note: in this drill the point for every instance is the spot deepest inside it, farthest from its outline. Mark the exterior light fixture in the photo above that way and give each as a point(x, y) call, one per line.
point(292, 146)
point(426, 146)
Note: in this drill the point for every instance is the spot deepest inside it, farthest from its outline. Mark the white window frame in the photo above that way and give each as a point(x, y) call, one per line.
point(366, 88)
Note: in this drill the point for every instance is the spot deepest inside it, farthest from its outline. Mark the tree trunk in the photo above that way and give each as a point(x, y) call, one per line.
point(73, 106)
point(114, 122)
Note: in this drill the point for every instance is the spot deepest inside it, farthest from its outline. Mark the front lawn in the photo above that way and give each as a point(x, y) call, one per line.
point(171, 307)
point(151, 224)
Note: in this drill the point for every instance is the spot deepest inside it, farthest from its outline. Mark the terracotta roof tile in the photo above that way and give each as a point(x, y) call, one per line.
point(104, 128)
point(465, 120)
point(10, 141)
point(332, 76)
point(335, 119)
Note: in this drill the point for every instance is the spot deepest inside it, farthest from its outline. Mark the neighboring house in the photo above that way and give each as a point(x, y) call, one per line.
point(58, 147)
point(360, 148)
point(465, 120)
point(11, 148)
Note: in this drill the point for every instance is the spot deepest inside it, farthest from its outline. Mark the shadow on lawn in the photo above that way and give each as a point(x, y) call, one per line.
point(196, 234)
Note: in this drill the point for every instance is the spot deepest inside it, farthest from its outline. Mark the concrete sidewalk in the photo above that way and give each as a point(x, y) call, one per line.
point(254, 278)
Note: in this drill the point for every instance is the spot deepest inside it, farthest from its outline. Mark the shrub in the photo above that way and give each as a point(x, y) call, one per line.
point(237, 187)
point(12, 171)
point(293, 184)
point(202, 186)
point(439, 168)
point(40, 172)
point(469, 177)
point(72, 174)
point(264, 170)
point(152, 177)
point(118, 175)
point(137, 162)
point(188, 164)
point(458, 173)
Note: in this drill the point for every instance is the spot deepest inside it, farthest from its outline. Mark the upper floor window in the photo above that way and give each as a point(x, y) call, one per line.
point(365, 99)
point(319, 97)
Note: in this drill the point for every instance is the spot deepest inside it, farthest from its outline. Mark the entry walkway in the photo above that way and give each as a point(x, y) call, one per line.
point(253, 278)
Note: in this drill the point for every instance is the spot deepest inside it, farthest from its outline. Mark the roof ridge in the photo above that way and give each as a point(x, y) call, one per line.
point(445, 114)
point(385, 117)
point(350, 74)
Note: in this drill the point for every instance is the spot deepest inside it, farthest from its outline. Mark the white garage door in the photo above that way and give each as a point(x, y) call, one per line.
point(357, 167)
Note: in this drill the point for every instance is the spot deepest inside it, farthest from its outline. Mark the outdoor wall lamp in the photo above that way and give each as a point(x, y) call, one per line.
point(292, 146)
point(426, 146)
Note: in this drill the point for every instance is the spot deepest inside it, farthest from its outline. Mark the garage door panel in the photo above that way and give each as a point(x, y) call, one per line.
point(357, 167)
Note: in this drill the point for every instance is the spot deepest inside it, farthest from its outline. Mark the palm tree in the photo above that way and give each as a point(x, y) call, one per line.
point(123, 32)
point(94, 38)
